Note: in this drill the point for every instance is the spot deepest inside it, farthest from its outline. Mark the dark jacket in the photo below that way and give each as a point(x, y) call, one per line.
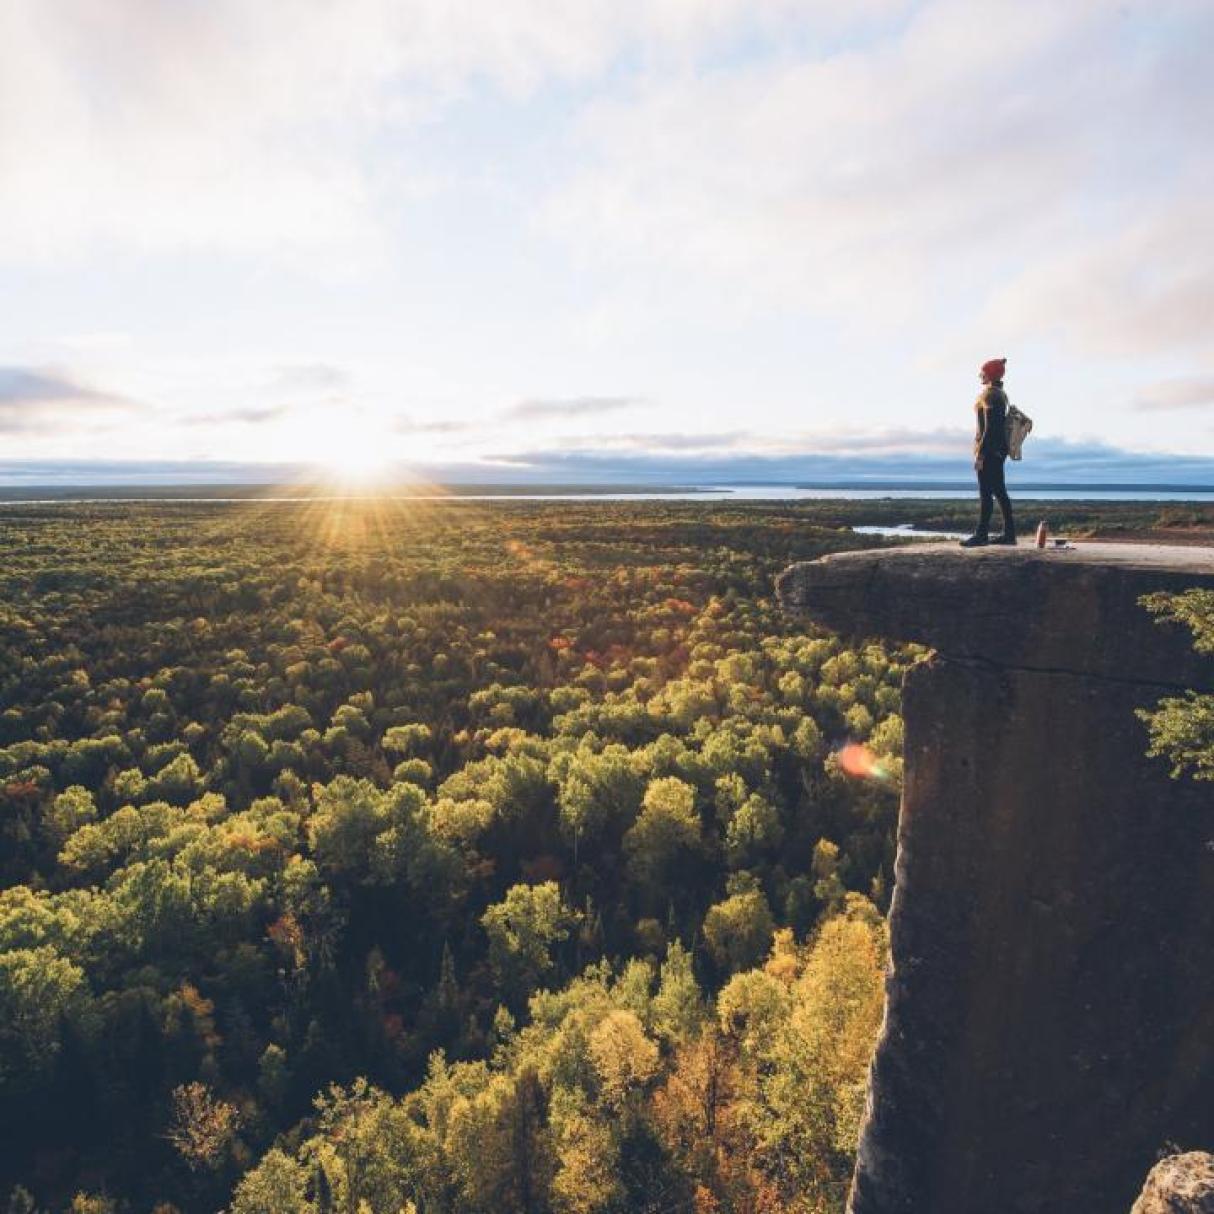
point(991, 407)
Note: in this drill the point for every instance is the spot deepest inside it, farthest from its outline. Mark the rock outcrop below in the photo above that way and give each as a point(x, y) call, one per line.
point(1050, 1003)
point(1180, 1184)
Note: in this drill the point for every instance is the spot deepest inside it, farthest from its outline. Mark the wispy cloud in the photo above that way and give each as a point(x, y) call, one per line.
point(1193, 392)
point(146, 472)
point(247, 126)
point(891, 444)
point(958, 156)
point(28, 385)
point(884, 443)
point(309, 378)
point(706, 441)
point(254, 415)
point(1141, 290)
point(31, 397)
point(412, 425)
point(569, 406)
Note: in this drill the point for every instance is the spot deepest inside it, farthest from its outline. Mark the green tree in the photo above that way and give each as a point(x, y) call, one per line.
point(1181, 728)
point(523, 929)
point(39, 988)
point(666, 831)
point(278, 1185)
point(72, 809)
point(407, 741)
point(754, 831)
point(598, 789)
point(825, 867)
point(738, 930)
point(349, 816)
point(678, 1006)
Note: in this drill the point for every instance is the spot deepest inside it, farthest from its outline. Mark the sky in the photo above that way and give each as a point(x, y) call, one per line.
point(603, 239)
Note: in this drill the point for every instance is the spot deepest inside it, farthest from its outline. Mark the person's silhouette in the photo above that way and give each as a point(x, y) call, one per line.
point(990, 453)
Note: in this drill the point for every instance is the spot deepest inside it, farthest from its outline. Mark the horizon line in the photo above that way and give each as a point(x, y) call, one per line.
point(16, 492)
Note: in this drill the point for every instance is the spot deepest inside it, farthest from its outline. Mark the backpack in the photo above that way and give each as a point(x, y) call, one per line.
point(1019, 428)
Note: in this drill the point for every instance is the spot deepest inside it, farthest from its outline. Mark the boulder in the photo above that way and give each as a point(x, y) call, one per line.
point(1180, 1184)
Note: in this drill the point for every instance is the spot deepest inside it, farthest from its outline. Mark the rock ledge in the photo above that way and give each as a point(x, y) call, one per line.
point(1050, 1003)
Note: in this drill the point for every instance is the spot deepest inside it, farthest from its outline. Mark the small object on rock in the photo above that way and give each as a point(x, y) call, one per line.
point(1179, 1184)
point(1042, 531)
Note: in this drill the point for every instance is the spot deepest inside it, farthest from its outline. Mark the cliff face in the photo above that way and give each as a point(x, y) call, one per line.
point(1050, 1005)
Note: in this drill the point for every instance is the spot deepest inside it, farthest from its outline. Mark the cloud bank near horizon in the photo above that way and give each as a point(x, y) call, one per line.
point(1048, 462)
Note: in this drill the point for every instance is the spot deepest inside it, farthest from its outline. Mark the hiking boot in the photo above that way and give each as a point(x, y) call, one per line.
point(1008, 538)
point(977, 540)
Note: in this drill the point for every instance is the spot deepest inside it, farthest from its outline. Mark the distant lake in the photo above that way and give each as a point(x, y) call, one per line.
point(46, 495)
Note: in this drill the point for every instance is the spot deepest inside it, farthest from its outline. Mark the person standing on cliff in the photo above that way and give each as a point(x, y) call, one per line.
point(990, 454)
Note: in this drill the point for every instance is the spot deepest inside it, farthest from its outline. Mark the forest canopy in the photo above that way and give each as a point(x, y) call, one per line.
point(437, 857)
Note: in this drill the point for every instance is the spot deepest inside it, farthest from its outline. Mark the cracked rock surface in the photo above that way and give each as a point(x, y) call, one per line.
point(1050, 1004)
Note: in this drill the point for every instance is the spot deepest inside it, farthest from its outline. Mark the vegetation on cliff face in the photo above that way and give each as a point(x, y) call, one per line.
point(358, 856)
point(1182, 727)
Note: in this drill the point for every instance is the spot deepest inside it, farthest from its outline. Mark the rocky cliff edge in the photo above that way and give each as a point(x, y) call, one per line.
point(1049, 1020)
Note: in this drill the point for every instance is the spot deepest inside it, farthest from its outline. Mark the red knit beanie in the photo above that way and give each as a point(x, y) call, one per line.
point(994, 368)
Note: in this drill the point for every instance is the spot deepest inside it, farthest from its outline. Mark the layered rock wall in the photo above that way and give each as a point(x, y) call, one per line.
point(1050, 1004)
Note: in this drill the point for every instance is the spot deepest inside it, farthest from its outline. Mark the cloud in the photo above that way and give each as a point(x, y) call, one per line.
point(25, 385)
point(889, 443)
point(1052, 462)
point(1143, 290)
point(886, 443)
point(951, 162)
point(63, 472)
point(32, 397)
point(915, 172)
point(569, 406)
point(409, 425)
point(254, 415)
point(309, 378)
point(663, 442)
point(258, 126)
point(100, 341)
point(1192, 392)
point(155, 127)
point(836, 177)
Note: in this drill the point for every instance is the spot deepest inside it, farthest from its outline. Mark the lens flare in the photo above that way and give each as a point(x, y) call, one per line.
point(857, 761)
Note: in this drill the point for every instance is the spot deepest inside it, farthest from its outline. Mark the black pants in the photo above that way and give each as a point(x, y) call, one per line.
point(990, 488)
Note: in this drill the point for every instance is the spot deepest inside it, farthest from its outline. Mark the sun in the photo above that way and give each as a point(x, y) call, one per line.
point(356, 460)
point(350, 449)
